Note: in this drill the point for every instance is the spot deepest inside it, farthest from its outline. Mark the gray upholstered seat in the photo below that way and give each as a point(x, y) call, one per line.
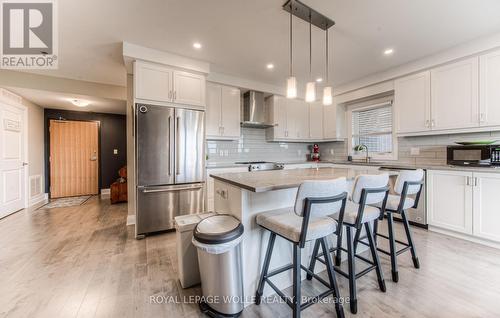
point(286, 223)
point(351, 212)
point(394, 200)
point(393, 203)
point(370, 213)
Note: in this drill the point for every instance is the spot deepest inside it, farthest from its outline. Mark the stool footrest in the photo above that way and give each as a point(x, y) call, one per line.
point(404, 249)
point(397, 241)
point(279, 270)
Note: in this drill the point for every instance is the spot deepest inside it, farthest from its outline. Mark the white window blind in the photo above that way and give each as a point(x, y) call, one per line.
point(372, 127)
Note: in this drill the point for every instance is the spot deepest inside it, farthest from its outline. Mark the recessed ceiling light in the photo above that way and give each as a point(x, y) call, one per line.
point(319, 80)
point(388, 51)
point(270, 66)
point(197, 45)
point(80, 102)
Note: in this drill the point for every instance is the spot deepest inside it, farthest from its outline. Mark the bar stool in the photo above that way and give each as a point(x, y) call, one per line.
point(368, 189)
point(409, 182)
point(307, 221)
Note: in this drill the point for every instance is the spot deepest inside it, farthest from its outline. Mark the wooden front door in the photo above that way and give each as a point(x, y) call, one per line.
point(74, 158)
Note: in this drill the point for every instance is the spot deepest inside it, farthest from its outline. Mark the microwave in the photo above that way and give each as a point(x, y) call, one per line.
point(477, 155)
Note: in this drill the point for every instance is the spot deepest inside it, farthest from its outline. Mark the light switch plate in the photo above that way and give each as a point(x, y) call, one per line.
point(414, 151)
point(115, 151)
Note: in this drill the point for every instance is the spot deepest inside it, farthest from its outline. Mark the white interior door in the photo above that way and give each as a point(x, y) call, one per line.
point(12, 159)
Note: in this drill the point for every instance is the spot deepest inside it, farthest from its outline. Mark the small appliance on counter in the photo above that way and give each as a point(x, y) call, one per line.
point(475, 155)
point(314, 156)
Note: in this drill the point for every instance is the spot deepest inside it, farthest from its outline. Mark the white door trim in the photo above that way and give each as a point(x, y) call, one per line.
point(16, 101)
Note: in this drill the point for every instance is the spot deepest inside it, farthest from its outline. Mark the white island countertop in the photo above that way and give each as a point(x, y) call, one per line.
point(263, 181)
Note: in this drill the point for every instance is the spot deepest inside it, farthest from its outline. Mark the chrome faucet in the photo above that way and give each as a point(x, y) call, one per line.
point(362, 147)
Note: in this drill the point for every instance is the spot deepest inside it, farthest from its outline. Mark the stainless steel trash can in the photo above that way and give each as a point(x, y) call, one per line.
point(218, 240)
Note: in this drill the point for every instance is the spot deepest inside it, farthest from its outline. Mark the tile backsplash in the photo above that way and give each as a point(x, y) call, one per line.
point(427, 150)
point(252, 146)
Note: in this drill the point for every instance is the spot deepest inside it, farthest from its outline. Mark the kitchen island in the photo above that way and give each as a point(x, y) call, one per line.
point(247, 194)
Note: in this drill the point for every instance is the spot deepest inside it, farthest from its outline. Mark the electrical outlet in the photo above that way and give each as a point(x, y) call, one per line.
point(299, 152)
point(331, 152)
point(414, 151)
point(115, 151)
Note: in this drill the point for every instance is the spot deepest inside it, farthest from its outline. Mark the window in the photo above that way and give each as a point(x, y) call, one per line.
point(372, 126)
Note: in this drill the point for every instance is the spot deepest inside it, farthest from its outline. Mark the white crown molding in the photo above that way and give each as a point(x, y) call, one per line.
point(133, 52)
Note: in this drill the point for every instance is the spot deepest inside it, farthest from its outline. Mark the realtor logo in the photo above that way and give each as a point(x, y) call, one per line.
point(28, 34)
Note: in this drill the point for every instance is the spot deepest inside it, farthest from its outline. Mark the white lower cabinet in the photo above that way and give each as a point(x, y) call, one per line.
point(210, 183)
point(449, 200)
point(464, 202)
point(486, 209)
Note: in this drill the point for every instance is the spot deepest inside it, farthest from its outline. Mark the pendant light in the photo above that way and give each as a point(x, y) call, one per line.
point(311, 85)
point(327, 90)
point(291, 81)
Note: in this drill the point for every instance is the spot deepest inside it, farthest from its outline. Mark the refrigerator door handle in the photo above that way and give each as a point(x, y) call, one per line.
point(169, 147)
point(173, 188)
point(177, 142)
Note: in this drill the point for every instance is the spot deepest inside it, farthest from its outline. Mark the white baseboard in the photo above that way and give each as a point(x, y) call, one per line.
point(39, 200)
point(466, 237)
point(131, 220)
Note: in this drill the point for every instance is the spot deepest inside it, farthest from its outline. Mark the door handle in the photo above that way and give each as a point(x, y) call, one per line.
point(427, 123)
point(467, 182)
point(172, 189)
point(475, 181)
point(169, 146)
point(177, 132)
point(25, 164)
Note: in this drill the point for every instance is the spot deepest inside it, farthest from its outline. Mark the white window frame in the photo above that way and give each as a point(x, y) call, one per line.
point(373, 155)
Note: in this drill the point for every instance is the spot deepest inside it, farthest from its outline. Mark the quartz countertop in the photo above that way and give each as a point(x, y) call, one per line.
point(263, 181)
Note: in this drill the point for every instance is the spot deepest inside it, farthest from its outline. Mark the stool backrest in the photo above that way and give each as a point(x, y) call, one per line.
point(370, 182)
point(320, 189)
point(409, 176)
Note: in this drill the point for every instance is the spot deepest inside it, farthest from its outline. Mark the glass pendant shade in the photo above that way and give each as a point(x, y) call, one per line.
point(310, 92)
point(327, 96)
point(291, 87)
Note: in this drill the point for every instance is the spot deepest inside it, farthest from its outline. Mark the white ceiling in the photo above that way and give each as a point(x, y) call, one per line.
point(240, 37)
point(58, 100)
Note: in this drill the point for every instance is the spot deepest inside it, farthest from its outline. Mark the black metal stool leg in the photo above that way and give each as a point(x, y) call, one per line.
point(414, 256)
point(375, 231)
point(338, 252)
point(296, 281)
point(313, 259)
point(331, 276)
point(265, 268)
point(392, 245)
point(352, 272)
point(375, 258)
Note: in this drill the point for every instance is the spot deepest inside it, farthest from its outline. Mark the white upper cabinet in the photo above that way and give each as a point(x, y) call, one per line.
point(316, 121)
point(189, 88)
point(454, 95)
point(213, 110)
point(277, 114)
point(154, 82)
point(223, 112)
point(412, 103)
point(489, 89)
point(230, 112)
point(298, 119)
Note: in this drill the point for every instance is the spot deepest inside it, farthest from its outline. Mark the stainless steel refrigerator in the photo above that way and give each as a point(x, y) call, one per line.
point(170, 165)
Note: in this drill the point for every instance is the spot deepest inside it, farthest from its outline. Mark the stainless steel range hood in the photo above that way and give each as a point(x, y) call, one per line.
point(254, 110)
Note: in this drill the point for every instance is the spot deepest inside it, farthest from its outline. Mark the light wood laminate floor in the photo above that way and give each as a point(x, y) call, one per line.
point(83, 261)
